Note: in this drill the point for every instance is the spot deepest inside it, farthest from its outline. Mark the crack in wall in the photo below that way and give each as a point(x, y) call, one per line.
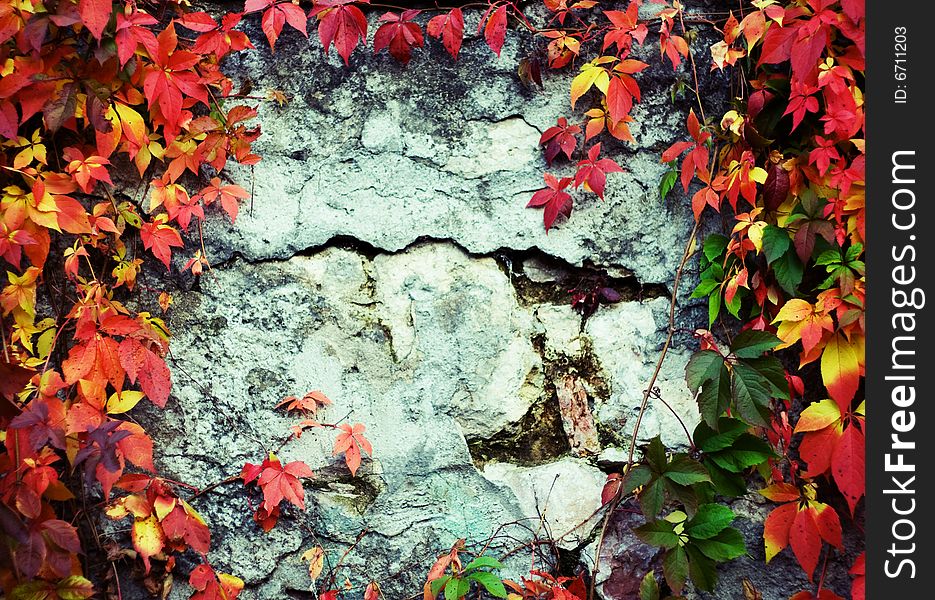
point(512, 262)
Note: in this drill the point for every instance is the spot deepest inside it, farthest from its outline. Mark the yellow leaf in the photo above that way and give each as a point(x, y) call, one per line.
point(230, 584)
point(794, 310)
point(755, 233)
point(133, 126)
point(162, 506)
point(316, 561)
point(117, 510)
point(759, 175)
point(124, 401)
point(148, 538)
point(57, 491)
point(590, 75)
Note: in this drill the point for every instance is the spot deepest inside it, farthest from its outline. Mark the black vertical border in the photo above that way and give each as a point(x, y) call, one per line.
point(891, 127)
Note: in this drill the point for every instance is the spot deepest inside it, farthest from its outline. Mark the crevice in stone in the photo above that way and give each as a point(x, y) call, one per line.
point(511, 261)
point(357, 493)
point(539, 436)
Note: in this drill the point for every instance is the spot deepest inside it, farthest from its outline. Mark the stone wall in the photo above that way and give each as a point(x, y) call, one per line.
point(387, 259)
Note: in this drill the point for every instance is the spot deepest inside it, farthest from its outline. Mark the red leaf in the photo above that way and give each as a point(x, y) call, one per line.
point(776, 529)
point(197, 21)
point(450, 28)
point(828, 524)
point(805, 541)
point(342, 24)
point(559, 138)
point(400, 34)
point(619, 100)
point(592, 172)
point(495, 30)
point(95, 14)
point(311, 402)
point(553, 198)
point(280, 483)
point(132, 31)
point(277, 16)
point(227, 194)
point(611, 487)
point(160, 238)
point(9, 120)
point(777, 44)
point(848, 465)
point(859, 571)
point(776, 188)
point(675, 150)
point(155, 378)
point(13, 378)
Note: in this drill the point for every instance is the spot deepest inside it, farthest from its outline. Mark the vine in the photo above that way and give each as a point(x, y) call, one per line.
point(95, 89)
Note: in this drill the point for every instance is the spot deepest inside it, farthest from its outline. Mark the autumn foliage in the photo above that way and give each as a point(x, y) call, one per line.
point(117, 122)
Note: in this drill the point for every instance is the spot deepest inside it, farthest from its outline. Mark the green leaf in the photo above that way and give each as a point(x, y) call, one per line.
point(853, 253)
point(457, 589)
point(652, 497)
point(656, 454)
point(770, 369)
point(649, 588)
point(725, 482)
point(684, 495)
point(710, 520)
point(640, 475)
point(658, 533)
point(667, 183)
point(714, 307)
point(726, 545)
point(705, 287)
point(728, 430)
point(752, 343)
point(747, 451)
point(776, 242)
point(733, 307)
point(491, 583)
point(484, 562)
point(32, 590)
point(715, 397)
point(438, 584)
point(685, 471)
point(751, 398)
point(675, 568)
point(702, 569)
point(714, 246)
point(789, 271)
point(829, 257)
point(703, 366)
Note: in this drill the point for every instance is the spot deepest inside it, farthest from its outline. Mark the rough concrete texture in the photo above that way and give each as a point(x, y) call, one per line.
point(387, 259)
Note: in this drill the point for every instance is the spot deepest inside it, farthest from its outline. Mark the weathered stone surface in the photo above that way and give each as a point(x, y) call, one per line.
point(558, 499)
point(388, 260)
point(442, 149)
point(431, 348)
point(628, 337)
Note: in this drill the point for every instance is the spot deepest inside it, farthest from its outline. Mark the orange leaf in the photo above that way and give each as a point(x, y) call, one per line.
point(351, 441)
point(776, 529)
point(840, 370)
